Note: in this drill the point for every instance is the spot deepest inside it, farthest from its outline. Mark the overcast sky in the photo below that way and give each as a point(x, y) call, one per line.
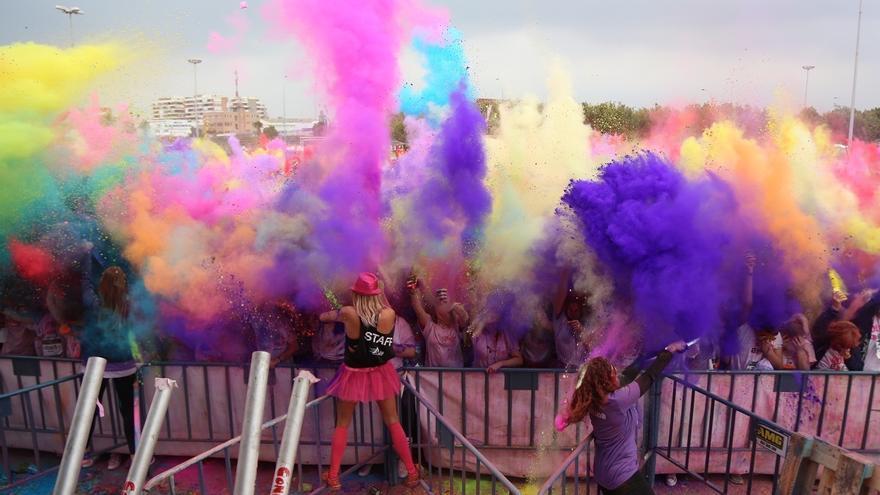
point(638, 52)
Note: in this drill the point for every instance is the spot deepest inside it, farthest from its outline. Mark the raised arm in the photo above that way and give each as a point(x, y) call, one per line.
point(748, 287)
point(415, 297)
point(561, 292)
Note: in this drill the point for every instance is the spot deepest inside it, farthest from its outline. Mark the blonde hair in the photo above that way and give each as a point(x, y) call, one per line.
point(369, 307)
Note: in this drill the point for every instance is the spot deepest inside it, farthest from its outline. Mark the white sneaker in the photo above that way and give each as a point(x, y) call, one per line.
point(114, 462)
point(88, 462)
point(737, 479)
point(365, 471)
point(401, 470)
point(671, 480)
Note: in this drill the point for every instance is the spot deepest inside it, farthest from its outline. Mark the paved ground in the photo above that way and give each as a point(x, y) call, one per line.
point(97, 480)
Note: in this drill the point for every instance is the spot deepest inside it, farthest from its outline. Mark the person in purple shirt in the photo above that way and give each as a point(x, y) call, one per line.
point(612, 405)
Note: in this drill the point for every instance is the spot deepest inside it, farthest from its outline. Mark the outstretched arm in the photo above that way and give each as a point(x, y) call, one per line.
point(415, 296)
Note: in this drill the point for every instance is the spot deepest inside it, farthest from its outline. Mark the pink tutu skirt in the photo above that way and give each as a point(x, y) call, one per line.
point(365, 384)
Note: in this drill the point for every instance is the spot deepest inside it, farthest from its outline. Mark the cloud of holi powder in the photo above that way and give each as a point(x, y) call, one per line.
point(360, 77)
point(442, 224)
point(536, 151)
point(654, 234)
point(446, 71)
point(39, 82)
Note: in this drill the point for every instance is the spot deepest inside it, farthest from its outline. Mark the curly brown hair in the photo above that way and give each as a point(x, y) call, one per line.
point(593, 391)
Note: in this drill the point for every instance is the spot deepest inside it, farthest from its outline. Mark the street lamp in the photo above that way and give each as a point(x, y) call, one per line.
point(70, 11)
point(852, 101)
point(807, 68)
point(195, 63)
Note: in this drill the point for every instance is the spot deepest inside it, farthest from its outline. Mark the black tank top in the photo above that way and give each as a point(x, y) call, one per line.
point(370, 349)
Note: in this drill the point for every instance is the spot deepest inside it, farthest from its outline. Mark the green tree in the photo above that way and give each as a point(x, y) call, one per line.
point(270, 132)
point(617, 118)
point(398, 128)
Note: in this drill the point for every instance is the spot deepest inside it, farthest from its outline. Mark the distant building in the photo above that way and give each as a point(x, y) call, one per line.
point(171, 127)
point(212, 113)
point(291, 127)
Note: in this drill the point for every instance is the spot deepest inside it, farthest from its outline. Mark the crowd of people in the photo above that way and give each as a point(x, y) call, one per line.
point(435, 331)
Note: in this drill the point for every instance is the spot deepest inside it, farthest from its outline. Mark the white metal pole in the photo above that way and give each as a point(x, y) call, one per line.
point(852, 101)
point(134, 482)
point(75, 448)
point(249, 451)
point(290, 442)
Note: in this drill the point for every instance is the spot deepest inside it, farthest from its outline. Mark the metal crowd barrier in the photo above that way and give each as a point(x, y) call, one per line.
point(575, 471)
point(35, 418)
point(304, 480)
point(714, 445)
point(837, 407)
point(441, 437)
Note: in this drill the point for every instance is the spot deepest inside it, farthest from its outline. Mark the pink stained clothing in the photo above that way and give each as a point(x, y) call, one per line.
point(404, 338)
point(442, 346)
point(489, 348)
point(833, 360)
point(365, 384)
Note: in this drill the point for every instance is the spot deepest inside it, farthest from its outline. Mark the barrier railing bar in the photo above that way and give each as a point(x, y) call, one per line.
point(562, 468)
point(868, 413)
point(217, 448)
point(31, 388)
point(464, 441)
point(137, 473)
point(71, 460)
point(291, 434)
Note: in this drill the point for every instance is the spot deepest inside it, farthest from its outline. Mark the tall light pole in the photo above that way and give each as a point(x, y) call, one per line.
point(807, 68)
point(70, 11)
point(852, 101)
point(195, 63)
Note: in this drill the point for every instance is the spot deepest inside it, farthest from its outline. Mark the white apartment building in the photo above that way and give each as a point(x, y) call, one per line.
point(193, 109)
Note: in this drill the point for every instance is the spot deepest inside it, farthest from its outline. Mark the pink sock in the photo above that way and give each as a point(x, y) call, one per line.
point(401, 446)
point(337, 448)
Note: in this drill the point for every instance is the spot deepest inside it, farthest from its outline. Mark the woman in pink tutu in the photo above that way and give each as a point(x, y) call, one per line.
point(367, 374)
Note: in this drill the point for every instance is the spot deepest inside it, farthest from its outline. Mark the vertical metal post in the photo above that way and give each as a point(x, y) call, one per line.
point(71, 460)
point(137, 474)
point(249, 451)
point(852, 101)
point(292, 428)
point(652, 429)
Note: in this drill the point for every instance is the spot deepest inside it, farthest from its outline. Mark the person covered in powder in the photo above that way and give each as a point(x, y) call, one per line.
point(835, 312)
point(442, 331)
point(867, 318)
point(367, 374)
point(107, 334)
point(611, 403)
point(844, 336)
point(570, 319)
point(537, 346)
point(493, 347)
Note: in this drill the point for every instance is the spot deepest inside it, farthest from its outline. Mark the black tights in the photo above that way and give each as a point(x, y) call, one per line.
point(636, 485)
point(124, 387)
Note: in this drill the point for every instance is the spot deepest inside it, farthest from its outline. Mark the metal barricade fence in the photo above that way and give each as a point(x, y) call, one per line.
point(35, 418)
point(712, 443)
point(574, 475)
point(835, 406)
point(465, 468)
point(306, 480)
point(504, 415)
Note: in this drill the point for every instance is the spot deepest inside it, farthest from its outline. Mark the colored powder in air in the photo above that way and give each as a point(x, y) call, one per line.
point(445, 68)
point(32, 262)
point(535, 152)
point(656, 235)
point(360, 77)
